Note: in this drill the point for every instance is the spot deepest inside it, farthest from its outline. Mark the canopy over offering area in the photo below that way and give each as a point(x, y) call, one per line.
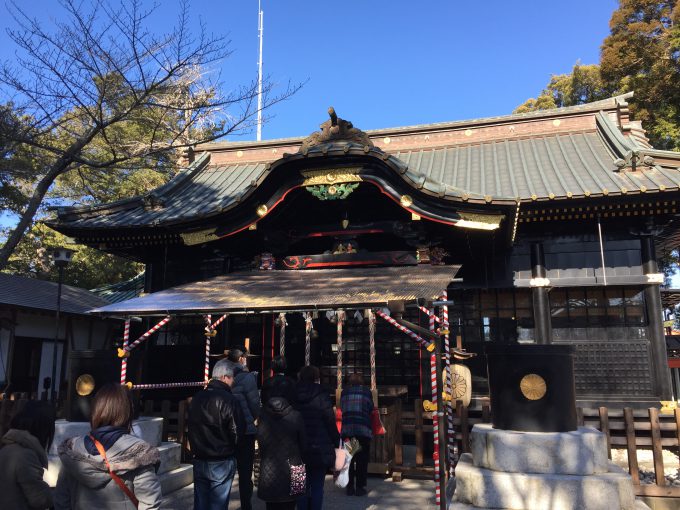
point(269, 291)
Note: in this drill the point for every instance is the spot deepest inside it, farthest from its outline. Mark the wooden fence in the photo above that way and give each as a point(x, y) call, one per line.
point(626, 428)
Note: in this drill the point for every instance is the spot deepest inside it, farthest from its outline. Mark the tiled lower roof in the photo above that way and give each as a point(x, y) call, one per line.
point(37, 294)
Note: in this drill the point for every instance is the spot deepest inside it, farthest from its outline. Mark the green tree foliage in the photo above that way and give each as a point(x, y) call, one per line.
point(33, 258)
point(641, 54)
point(582, 85)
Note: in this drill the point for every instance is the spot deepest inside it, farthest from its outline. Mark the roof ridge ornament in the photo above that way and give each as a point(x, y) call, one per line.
point(335, 129)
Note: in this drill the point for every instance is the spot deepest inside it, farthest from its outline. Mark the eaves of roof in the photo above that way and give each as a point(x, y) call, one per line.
point(586, 163)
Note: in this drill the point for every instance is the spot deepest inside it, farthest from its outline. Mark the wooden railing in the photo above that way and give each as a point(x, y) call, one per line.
point(625, 428)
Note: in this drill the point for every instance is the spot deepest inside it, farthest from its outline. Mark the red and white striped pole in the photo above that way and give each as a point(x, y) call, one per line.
point(209, 333)
point(219, 321)
point(123, 362)
point(422, 308)
point(427, 345)
point(371, 346)
point(435, 418)
point(161, 386)
point(125, 351)
point(449, 387)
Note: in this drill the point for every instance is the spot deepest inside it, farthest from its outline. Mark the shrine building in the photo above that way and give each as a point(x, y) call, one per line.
point(556, 221)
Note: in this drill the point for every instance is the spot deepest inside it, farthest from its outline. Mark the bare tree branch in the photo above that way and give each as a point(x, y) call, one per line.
point(98, 92)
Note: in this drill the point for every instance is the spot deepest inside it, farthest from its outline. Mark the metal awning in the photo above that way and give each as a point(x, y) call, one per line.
point(270, 291)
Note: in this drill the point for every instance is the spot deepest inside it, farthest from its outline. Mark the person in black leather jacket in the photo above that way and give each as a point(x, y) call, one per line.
point(215, 423)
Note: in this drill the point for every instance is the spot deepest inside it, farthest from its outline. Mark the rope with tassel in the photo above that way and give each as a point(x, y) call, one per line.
point(308, 338)
point(282, 334)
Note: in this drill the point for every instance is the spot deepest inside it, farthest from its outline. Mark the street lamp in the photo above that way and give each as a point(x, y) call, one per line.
point(61, 258)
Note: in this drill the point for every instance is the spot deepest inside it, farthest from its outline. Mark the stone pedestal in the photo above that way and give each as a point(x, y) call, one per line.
point(172, 474)
point(541, 471)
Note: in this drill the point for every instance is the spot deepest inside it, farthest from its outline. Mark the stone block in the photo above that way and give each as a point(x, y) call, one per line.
point(581, 452)
point(171, 454)
point(177, 478)
point(485, 488)
point(149, 428)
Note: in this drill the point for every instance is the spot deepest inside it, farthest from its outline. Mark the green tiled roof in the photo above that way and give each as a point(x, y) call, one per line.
point(122, 291)
point(505, 170)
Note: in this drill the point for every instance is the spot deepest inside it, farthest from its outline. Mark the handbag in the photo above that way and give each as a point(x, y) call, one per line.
point(340, 456)
point(114, 476)
point(298, 479)
point(376, 424)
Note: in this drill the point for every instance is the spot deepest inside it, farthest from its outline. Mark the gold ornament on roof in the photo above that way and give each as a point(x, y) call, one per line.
point(406, 201)
point(336, 129)
point(533, 387)
point(331, 176)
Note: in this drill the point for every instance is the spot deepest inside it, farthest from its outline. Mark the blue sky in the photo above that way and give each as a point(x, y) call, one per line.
point(389, 63)
point(393, 63)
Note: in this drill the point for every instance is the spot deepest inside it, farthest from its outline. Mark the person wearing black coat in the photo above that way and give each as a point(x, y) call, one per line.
point(281, 436)
point(315, 405)
point(246, 392)
point(215, 423)
point(280, 385)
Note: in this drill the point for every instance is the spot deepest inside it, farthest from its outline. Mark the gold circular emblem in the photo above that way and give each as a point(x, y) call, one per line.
point(406, 201)
point(262, 209)
point(533, 386)
point(330, 177)
point(84, 385)
point(332, 190)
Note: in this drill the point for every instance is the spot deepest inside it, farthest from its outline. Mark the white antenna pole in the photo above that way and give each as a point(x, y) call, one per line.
point(260, 31)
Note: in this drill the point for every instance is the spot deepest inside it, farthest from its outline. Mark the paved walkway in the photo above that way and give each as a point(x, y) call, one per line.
point(382, 495)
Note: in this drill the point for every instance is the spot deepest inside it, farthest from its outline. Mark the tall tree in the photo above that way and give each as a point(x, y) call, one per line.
point(641, 54)
point(98, 95)
point(582, 85)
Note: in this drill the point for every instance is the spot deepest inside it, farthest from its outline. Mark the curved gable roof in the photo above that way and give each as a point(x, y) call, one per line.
point(511, 159)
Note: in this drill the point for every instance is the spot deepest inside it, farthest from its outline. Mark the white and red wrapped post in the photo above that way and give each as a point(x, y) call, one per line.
point(124, 352)
point(427, 345)
point(308, 338)
point(124, 361)
point(423, 309)
point(209, 333)
point(219, 321)
point(448, 385)
point(435, 414)
point(164, 386)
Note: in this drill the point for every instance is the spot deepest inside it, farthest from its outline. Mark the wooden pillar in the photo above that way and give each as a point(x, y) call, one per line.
point(660, 372)
point(539, 293)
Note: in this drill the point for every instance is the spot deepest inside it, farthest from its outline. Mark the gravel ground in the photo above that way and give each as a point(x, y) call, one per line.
point(646, 465)
point(382, 495)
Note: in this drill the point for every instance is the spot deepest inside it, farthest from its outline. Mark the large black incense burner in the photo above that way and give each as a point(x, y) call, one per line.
point(532, 387)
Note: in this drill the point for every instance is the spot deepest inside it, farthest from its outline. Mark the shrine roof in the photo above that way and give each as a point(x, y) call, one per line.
point(576, 152)
point(31, 293)
point(277, 290)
